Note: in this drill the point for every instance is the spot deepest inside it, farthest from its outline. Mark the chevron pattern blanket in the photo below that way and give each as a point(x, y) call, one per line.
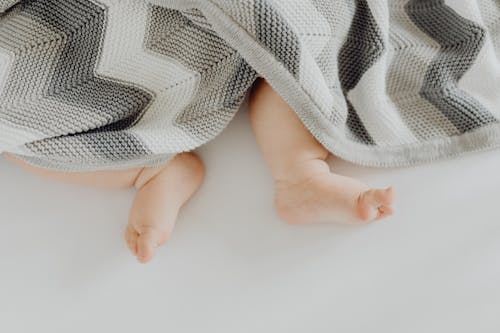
point(96, 84)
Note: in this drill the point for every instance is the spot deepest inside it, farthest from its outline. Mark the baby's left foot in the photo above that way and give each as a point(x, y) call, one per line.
point(316, 195)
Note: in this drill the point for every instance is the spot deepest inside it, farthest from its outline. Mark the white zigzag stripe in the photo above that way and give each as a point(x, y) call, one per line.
point(124, 58)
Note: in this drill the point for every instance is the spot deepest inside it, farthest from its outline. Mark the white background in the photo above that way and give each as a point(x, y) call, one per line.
point(233, 266)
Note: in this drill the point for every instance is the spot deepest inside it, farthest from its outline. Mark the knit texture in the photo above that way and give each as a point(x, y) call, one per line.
point(6, 4)
point(87, 85)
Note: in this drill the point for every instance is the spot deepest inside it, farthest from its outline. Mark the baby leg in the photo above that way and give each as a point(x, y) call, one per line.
point(161, 192)
point(306, 190)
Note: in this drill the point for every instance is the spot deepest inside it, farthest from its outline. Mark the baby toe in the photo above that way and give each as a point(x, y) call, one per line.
point(386, 197)
point(384, 211)
point(378, 198)
point(147, 243)
point(375, 204)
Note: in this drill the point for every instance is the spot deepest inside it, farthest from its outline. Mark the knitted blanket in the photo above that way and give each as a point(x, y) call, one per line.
point(96, 84)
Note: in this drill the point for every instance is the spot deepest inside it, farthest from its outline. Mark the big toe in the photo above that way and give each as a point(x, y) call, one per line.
point(376, 204)
point(145, 242)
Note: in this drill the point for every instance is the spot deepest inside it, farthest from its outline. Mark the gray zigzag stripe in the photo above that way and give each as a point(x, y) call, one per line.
point(461, 41)
point(77, 148)
point(224, 77)
point(277, 36)
point(239, 83)
point(24, 99)
point(6, 4)
point(73, 83)
point(362, 49)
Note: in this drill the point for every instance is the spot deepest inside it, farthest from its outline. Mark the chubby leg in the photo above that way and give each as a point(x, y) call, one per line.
point(161, 192)
point(306, 190)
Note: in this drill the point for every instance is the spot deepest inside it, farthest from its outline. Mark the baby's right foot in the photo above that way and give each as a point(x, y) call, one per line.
point(161, 194)
point(316, 195)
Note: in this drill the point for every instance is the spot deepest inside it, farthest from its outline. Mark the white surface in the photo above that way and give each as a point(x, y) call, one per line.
point(232, 266)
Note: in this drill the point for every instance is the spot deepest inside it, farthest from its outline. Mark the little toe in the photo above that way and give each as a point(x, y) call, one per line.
point(147, 243)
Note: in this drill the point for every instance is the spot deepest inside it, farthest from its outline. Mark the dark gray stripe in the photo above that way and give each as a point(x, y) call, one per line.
point(73, 81)
point(238, 84)
point(277, 36)
point(7, 4)
point(363, 47)
point(106, 146)
point(461, 41)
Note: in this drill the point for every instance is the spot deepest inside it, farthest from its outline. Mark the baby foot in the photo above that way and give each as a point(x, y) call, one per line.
point(144, 236)
point(326, 197)
point(161, 194)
